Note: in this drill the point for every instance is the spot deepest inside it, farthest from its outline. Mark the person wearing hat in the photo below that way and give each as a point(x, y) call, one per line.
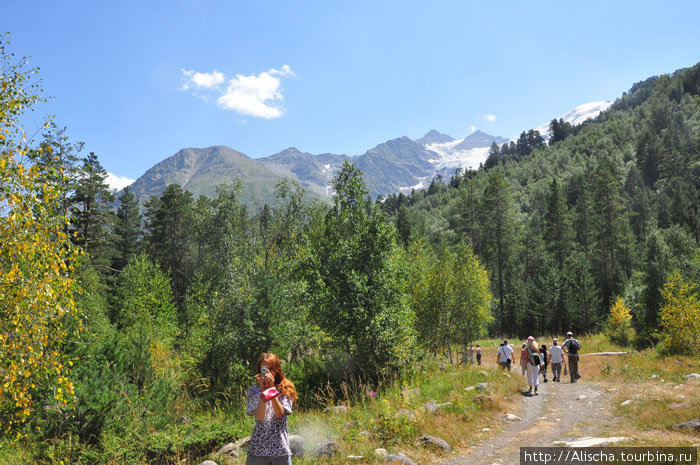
point(556, 358)
point(533, 364)
point(572, 346)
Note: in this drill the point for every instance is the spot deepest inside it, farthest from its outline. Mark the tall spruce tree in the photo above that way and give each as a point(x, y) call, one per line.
point(654, 269)
point(611, 227)
point(498, 234)
point(556, 228)
point(127, 229)
point(91, 213)
point(169, 229)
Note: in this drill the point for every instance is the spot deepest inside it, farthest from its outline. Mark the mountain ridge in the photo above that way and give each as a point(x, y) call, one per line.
point(396, 165)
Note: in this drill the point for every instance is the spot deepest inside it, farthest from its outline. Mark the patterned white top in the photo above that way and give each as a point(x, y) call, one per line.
point(270, 437)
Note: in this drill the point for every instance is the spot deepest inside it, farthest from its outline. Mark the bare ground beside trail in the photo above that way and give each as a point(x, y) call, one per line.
point(561, 412)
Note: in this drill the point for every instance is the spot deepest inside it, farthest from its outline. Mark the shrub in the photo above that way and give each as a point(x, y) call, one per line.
point(680, 316)
point(619, 328)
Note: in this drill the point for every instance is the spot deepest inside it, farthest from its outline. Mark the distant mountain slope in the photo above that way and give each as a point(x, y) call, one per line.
point(314, 172)
point(200, 170)
point(479, 139)
point(396, 165)
point(434, 137)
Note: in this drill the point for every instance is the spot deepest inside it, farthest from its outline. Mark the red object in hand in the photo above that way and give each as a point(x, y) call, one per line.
point(271, 393)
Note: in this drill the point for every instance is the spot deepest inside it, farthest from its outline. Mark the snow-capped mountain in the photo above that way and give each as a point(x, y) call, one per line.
point(578, 115)
point(397, 165)
point(463, 153)
point(473, 150)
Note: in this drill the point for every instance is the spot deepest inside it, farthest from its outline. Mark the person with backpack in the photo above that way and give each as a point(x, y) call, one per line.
point(533, 364)
point(556, 358)
point(572, 347)
point(545, 362)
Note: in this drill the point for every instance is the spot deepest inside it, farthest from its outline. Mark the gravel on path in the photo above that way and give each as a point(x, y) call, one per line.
point(561, 412)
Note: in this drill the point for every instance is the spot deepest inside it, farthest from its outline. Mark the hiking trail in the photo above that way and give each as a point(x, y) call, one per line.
point(561, 412)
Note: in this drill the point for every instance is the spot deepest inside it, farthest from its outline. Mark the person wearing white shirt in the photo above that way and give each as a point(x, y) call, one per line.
point(556, 358)
point(505, 355)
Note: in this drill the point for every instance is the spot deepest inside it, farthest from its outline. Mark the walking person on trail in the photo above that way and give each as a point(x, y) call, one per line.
point(523, 359)
point(471, 354)
point(556, 358)
point(504, 356)
point(572, 346)
point(533, 364)
point(545, 362)
point(478, 354)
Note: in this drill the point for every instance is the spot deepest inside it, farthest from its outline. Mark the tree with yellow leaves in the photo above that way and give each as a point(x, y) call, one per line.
point(37, 311)
point(619, 328)
point(680, 316)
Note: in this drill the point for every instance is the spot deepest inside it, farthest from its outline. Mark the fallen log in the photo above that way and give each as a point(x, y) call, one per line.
point(605, 353)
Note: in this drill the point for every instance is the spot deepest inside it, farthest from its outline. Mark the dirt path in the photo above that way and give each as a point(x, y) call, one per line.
point(561, 412)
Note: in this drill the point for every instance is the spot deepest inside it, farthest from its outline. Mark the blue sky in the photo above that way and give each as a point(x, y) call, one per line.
point(137, 81)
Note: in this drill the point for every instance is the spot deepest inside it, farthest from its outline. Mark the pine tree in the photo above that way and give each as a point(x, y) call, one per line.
point(169, 229)
point(127, 229)
point(91, 213)
point(655, 265)
point(610, 232)
point(556, 229)
point(498, 234)
point(403, 226)
point(494, 158)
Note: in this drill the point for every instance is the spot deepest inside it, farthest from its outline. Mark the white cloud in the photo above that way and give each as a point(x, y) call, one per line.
point(490, 117)
point(253, 95)
point(258, 96)
point(285, 70)
point(117, 182)
point(472, 128)
point(196, 79)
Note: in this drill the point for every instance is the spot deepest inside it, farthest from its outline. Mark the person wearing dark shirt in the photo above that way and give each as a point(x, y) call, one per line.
point(545, 362)
point(571, 346)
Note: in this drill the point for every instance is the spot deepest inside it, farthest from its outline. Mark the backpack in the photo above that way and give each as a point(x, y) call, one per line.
point(574, 346)
point(534, 358)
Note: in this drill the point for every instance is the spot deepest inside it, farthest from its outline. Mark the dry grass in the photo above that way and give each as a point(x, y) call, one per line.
point(661, 396)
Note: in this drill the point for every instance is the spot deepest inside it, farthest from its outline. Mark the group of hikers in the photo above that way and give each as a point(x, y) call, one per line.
point(271, 398)
point(534, 359)
point(469, 355)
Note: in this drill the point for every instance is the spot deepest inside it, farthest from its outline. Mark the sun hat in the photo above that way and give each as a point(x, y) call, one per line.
point(569, 333)
point(530, 338)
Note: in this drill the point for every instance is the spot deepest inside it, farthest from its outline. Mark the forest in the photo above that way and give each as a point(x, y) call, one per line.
point(117, 319)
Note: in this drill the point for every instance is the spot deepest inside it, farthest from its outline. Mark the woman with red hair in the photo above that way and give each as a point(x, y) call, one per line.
point(270, 401)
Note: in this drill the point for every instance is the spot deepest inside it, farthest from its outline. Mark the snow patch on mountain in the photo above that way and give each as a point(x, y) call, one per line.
point(578, 115)
point(449, 158)
point(418, 186)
